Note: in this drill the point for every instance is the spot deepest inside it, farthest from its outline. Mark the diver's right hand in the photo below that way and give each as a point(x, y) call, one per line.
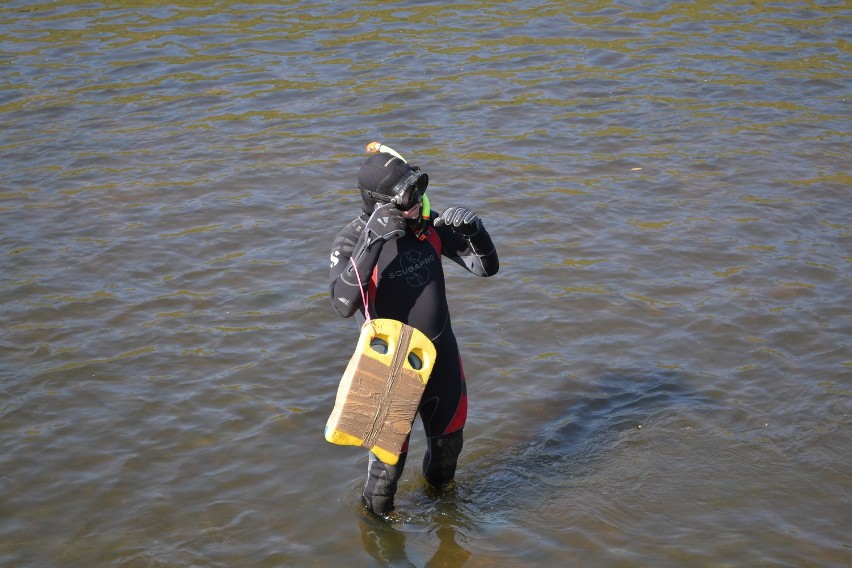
point(386, 223)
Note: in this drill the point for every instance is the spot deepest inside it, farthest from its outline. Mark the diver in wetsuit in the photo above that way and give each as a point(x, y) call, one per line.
point(393, 250)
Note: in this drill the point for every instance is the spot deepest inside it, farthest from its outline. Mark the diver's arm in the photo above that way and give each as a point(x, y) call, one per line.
point(482, 259)
point(354, 254)
point(344, 287)
point(469, 244)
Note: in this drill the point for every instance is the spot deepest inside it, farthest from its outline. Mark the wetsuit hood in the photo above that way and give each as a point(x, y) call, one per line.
point(378, 176)
point(386, 177)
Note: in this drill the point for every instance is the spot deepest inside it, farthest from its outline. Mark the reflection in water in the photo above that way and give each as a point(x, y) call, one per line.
point(535, 478)
point(385, 541)
point(382, 541)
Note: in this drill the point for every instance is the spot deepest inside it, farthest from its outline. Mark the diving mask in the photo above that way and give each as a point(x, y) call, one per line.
point(409, 190)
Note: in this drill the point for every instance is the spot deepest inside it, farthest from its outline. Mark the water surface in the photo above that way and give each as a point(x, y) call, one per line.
point(660, 375)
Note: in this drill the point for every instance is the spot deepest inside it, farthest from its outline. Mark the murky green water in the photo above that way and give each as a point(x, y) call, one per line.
point(660, 375)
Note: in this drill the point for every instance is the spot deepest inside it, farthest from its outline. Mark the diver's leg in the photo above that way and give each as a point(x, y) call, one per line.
point(381, 484)
point(444, 413)
point(442, 455)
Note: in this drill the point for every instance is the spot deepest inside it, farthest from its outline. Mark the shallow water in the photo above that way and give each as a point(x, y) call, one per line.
point(660, 374)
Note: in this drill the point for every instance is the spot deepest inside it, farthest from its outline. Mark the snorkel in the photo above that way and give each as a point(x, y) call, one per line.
point(425, 209)
point(421, 224)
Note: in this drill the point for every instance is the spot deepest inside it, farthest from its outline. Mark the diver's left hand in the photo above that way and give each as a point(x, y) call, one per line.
point(461, 219)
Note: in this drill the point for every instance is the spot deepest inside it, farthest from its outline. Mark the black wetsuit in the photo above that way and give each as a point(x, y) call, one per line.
point(407, 284)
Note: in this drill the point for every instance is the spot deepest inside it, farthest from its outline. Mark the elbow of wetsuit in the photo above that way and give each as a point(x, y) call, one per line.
point(483, 247)
point(344, 303)
point(348, 289)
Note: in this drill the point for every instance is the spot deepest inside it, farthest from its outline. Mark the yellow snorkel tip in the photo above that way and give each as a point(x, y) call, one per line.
point(376, 147)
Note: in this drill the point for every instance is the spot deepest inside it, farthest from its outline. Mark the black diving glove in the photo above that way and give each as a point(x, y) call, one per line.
point(461, 219)
point(385, 223)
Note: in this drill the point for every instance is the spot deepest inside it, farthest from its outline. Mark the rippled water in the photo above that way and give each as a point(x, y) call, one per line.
point(660, 375)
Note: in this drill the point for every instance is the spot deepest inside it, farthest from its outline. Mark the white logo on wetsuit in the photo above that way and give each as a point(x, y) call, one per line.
point(415, 268)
